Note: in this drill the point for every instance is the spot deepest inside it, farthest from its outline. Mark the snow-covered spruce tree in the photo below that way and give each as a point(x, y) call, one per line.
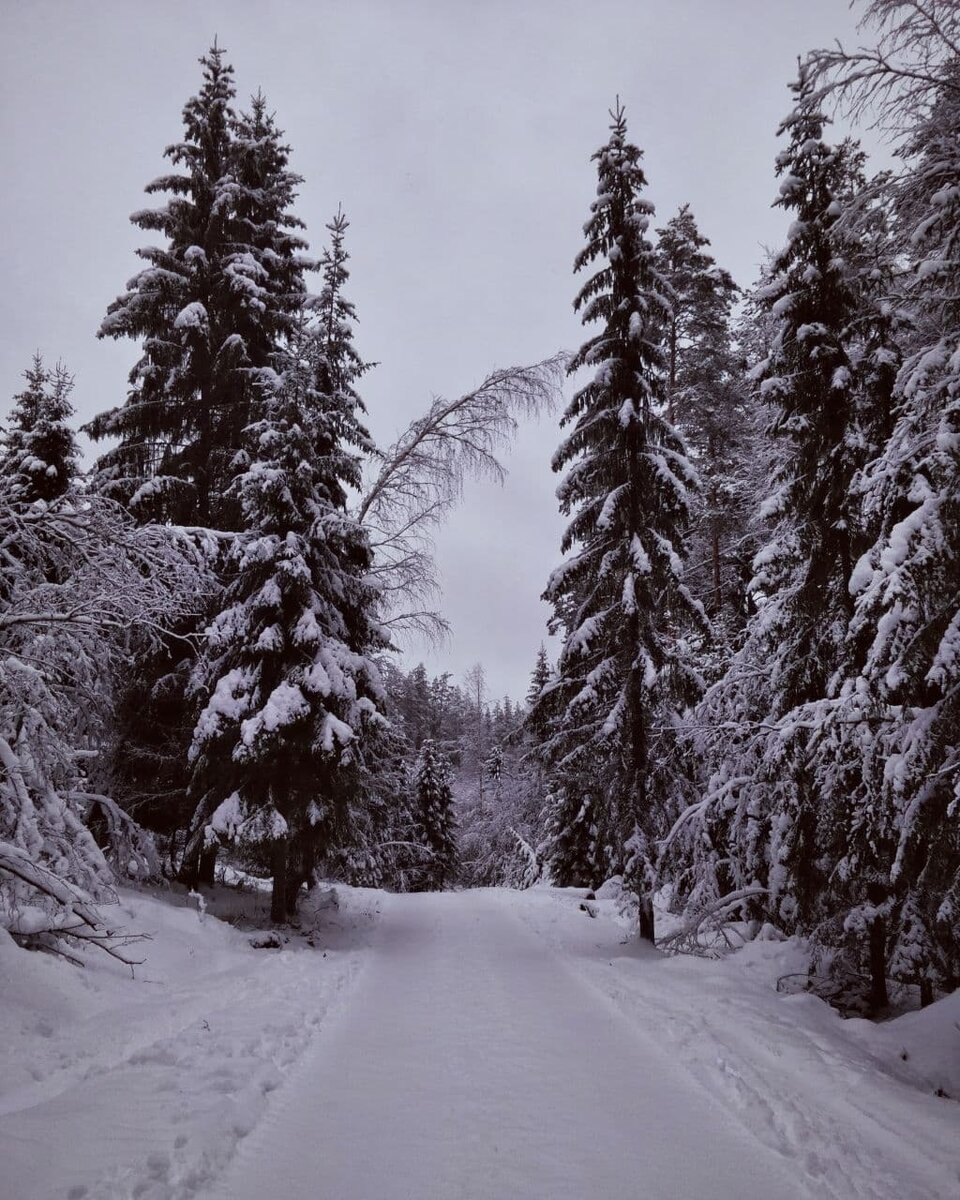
point(215, 301)
point(209, 308)
point(435, 810)
point(575, 815)
point(539, 678)
point(708, 402)
point(287, 673)
point(38, 454)
point(809, 380)
point(906, 587)
point(765, 826)
point(337, 316)
point(625, 670)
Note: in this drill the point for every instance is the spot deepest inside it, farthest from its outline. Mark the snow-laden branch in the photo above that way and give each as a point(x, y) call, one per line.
point(71, 913)
point(81, 585)
point(698, 934)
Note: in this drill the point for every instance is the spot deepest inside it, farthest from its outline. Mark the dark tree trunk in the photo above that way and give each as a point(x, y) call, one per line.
point(207, 866)
point(189, 873)
point(299, 869)
point(717, 587)
point(646, 926)
point(879, 999)
point(926, 992)
point(294, 883)
point(278, 897)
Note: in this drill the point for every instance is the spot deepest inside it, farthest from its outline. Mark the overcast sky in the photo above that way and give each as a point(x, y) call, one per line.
point(457, 134)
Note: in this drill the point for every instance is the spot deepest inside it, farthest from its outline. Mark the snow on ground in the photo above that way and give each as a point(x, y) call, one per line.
point(496, 1046)
point(114, 1087)
point(835, 1099)
point(473, 1065)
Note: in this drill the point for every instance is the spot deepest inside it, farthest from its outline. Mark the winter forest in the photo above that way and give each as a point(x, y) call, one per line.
point(739, 742)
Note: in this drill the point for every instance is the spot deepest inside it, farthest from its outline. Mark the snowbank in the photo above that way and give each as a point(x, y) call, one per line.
point(113, 1087)
point(834, 1096)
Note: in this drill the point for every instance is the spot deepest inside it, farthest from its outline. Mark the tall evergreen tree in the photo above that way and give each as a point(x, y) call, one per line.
point(813, 380)
point(708, 402)
point(539, 677)
point(287, 674)
point(624, 669)
point(217, 300)
point(903, 838)
point(436, 813)
point(38, 454)
point(779, 801)
point(208, 309)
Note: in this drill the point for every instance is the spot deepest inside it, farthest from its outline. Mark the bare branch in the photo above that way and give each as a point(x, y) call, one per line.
point(422, 474)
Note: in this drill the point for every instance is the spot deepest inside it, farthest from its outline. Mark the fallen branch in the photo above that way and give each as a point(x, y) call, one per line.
point(688, 939)
point(75, 917)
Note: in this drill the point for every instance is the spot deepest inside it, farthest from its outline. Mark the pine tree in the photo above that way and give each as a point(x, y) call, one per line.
point(436, 813)
point(210, 308)
point(415, 706)
point(708, 402)
point(287, 674)
point(624, 669)
point(698, 325)
point(38, 454)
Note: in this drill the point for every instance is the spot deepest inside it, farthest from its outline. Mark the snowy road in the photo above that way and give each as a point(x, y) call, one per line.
point(471, 1064)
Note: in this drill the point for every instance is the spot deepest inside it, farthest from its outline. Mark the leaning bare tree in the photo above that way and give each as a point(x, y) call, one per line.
point(421, 476)
point(915, 58)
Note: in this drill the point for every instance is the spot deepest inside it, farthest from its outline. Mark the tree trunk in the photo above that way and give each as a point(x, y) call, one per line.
point(189, 873)
point(294, 883)
point(646, 920)
point(879, 998)
point(926, 992)
point(299, 870)
point(715, 554)
point(278, 898)
point(206, 872)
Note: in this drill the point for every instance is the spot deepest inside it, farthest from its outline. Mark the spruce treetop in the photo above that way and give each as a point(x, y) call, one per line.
point(210, 309)
point(811, 379)
point(38, 456)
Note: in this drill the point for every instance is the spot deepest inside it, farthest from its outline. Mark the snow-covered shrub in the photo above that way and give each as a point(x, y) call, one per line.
point(79, 583)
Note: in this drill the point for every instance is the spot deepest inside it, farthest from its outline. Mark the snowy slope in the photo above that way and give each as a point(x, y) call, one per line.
point(112, 1087)
point(495, 1046)
point(850, 1118)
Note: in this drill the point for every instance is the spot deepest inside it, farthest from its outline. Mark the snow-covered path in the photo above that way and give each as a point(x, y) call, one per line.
point(472, 1064)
